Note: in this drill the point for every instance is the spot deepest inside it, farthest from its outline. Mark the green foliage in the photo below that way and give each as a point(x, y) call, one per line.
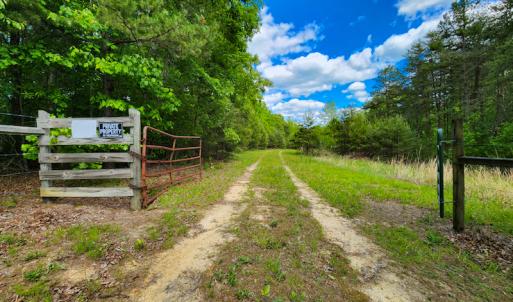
point(389, 137)
point(463, 70)
point(307, 136)
point(183, 64)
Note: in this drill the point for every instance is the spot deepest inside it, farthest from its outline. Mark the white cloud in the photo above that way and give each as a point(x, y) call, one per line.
point(412, 8)
point(396, 46)
point(272, 99)
point(296, 108)
point(277, 39)
point(317, 72)
point(369, 38)
point(306, 74)
point(358, 91)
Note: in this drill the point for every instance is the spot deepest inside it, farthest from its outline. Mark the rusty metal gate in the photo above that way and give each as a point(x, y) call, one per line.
point(166, 160)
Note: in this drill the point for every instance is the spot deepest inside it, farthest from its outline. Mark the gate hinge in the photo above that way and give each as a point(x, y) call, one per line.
point(135, 154)
point(136, 187)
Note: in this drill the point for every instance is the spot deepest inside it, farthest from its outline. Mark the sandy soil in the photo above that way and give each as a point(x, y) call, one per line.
point(175, 274)
point(379, 281)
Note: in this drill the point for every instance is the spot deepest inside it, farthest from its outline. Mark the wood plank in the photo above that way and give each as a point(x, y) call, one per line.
point(86, 192)
point(66, 122)
point(458, 178)
point(86, 158)
point(486, 161)
point(85, 174)
point(135, 166)
point(44, 150)
point(19, 130)
point(69, 141)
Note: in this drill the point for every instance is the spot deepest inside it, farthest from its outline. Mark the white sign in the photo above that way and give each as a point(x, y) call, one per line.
point(83, 129)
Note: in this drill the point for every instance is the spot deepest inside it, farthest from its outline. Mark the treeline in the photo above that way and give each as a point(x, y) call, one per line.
point(182, 63)
point(464, 69)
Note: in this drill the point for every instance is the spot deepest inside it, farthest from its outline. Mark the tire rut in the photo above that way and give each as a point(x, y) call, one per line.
point(379, 282)
point(176, 274)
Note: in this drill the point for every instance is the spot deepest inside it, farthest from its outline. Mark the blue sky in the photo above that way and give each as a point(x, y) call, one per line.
point(327, 50)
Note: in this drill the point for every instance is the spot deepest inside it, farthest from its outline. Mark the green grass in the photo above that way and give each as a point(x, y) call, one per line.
point(12, 239)
point(346, 187)
point(8, 202)
point(33, 255)
point(433, 257)
point(37, 287)
point(89, 240)
point(37, 292)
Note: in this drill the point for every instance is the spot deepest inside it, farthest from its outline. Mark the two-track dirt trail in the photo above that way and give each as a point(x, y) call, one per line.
point(379, 281)
point(175, 274)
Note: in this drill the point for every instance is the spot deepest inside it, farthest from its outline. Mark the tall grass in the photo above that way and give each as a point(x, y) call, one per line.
point(481, 183)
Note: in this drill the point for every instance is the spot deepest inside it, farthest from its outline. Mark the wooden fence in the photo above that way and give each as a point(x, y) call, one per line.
point(48, 175)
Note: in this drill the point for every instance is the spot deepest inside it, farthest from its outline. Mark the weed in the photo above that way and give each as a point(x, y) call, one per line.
point(32, 255)
point(35, 274)
point(41, 271)
point(89, 240)
point(139, 245)
point(243, 294)
point(266, 291)
point(434, 238)
point(273, 223)
point(153, 233)
point(244, 260)
point(231, 277)
point(11, 239)
point(274, 266)
point(9, 202)
point(297, 297)
point(37, 292)
point(218, 276)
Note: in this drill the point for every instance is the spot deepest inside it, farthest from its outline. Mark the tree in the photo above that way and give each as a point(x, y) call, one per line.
point(306, 138)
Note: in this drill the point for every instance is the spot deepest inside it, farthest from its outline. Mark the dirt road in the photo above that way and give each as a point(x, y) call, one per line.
point(175, 274)
point(379, 281)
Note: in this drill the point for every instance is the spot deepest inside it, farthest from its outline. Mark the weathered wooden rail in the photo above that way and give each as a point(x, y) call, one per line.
point(46, 158)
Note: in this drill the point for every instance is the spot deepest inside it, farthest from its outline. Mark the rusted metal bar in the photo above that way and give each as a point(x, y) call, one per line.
point(167, 171)
point(201, 159)
point(171, 148)
point(167, 161)
point(170, 135)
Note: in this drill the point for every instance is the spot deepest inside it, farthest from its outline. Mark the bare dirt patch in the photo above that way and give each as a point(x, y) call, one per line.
point(380, 281)
point(34, 224)
point(175, 274)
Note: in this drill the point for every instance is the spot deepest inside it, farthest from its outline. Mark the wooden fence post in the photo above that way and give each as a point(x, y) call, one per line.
point(44, 150)
point(135, 148)
point(458, 178)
